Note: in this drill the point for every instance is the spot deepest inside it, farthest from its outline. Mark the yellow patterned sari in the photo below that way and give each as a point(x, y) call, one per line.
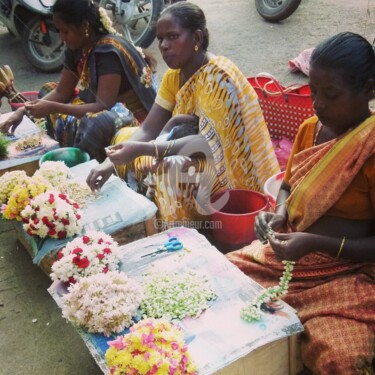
point(232, 123)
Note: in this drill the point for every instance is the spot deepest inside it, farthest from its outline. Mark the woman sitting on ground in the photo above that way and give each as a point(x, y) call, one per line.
point(233, 143)
point(114, 79)
point(325, 214)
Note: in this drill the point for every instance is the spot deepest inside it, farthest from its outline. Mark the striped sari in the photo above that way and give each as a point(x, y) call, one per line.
point(335, 298)
point(231, 121)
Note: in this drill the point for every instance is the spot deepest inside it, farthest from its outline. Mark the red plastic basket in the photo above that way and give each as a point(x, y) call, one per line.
point(284, 108)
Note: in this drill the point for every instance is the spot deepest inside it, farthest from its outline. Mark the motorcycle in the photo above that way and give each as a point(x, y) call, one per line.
point(135, 19)
point(276, 10)
point(32, 21)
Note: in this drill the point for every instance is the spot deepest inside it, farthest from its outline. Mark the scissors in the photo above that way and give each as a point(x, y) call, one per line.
point(173, 244)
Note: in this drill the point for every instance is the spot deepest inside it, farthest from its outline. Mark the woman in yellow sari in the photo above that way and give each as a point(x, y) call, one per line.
point(325, 215)
point(232, 148)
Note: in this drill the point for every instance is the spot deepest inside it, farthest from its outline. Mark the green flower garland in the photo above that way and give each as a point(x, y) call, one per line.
point(253, 311)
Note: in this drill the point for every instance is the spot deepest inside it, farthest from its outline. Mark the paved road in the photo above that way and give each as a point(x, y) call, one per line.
point(50, 346)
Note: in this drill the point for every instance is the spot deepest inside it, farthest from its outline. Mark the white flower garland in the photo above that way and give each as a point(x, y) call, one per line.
point(103, 303)
point(253, 311)
point(52, 214)
point(90, 254)
point(55, 172)
point(107, 22)
point(175, 295)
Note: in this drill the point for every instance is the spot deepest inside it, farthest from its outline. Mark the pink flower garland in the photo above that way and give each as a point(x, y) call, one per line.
point(152, 347)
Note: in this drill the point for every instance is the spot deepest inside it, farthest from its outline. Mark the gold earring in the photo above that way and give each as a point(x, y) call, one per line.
point(87, 34)
point(196, 48)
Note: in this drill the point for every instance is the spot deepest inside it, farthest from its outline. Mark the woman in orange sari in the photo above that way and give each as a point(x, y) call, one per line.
point(325, 215)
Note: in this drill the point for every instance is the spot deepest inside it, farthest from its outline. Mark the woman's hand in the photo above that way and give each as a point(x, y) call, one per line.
point(11, 123)
point(40, 108)
point(126, 152)
point(99, 175)
point(291, 246)
point(266, 222)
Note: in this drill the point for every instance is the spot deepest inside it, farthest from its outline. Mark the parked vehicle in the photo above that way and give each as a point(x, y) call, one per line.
point(276, 10)
point(32, 21)
point(135, 19)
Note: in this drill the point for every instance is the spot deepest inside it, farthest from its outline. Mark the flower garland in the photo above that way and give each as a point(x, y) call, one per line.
point(8, 182)
point(52, 214)
point(20, 197)
point(93, 253)
point(176, 295)
point(106, 22)
point(153, 347)
point(146, 77)
point(55, 172)
point(252, 312)
point(102, 303)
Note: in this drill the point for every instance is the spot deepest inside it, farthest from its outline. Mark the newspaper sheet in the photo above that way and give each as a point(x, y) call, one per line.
point(24, 129)
point(219, 336)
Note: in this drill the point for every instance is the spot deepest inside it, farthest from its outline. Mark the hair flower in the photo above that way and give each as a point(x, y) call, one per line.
point(146, 77)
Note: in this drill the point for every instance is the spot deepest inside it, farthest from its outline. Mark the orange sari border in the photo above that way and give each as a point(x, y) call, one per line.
point(320, 163)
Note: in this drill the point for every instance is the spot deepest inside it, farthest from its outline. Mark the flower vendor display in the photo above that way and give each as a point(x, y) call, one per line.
point(152, 347)
point(8, 182)
point(52, 214)
point(252, 312)
point(93, 253)
point(175, 295)
point(21, 195)
point(55, 172)
point(103, 303)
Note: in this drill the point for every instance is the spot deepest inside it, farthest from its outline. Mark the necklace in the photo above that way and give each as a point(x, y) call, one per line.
point(184, 79)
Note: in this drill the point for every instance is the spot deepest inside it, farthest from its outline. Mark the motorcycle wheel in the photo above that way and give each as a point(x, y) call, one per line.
point(136, 19)
point(276, 10)
point(44, 53)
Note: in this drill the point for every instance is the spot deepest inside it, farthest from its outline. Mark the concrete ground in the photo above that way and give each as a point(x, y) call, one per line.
point(50, 346)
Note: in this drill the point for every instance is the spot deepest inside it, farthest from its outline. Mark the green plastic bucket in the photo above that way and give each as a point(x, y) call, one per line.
point(71, 156)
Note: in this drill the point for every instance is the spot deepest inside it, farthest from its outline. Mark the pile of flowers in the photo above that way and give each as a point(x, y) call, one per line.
point(175, 295)
point(95, 252)
point(252, 312)
point(153, 347)
point(103, 303)
point(8, 182)
point(21, 195)
point(55, 172)
point(52, 214)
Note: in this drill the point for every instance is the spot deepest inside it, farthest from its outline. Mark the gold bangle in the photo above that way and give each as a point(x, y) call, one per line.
point(169, 148)
point(341, 246)
point(157, 157)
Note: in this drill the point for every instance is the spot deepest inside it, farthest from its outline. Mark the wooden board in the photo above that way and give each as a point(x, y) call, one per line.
point(275, 358)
